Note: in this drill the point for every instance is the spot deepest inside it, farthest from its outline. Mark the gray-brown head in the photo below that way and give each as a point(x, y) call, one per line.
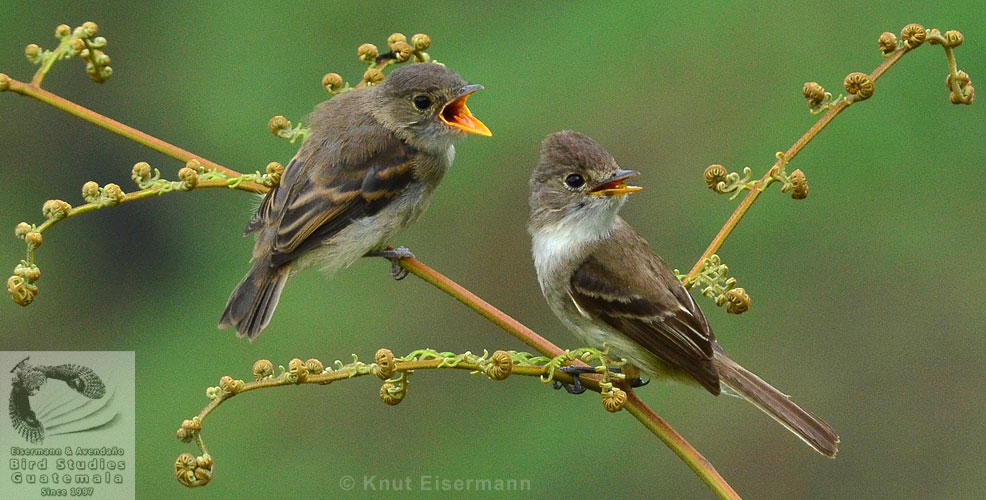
point(576, 182)
point(426, 103)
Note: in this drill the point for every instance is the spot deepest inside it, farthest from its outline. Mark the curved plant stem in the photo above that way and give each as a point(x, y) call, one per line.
point(637, 408)
point(124, 130)
point(754, 193)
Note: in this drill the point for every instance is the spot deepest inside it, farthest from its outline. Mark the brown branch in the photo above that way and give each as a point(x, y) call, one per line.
point(751, 197)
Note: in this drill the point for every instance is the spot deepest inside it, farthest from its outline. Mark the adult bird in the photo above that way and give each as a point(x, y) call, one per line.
point(608, 286)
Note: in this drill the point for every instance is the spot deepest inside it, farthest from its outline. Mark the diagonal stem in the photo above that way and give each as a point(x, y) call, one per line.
point(754, 193)
point(121, 129)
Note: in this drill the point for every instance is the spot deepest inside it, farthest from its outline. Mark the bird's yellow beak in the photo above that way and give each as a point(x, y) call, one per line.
point(616, 184)
point(455, 114)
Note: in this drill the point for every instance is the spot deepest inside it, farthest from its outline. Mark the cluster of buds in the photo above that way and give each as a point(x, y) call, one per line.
point(958, 83)
point(401, 50)
point(230, 386)
point(721, 287)
point(960, 88)
point(90, 47)
point(21, 285)
point(108, 195)
point(192, 471)
point(189, 429)
point(82, 42)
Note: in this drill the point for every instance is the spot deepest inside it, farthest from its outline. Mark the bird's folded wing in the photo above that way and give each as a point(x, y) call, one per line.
point(320, 199)
point(654, 317)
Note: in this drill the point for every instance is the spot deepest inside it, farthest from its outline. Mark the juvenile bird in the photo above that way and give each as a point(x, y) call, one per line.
point(608, 286)
point(374, 157)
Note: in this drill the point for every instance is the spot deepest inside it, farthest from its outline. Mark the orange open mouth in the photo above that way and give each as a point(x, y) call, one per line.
point(456, 114)
point(616, 184)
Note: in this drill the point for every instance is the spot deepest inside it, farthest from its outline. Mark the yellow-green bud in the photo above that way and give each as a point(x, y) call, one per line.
point(90, 192)
point(29, 272)
point(274, 172)
point(33, 239)
point(22, 229)
point(384, 358)
point(799, 185)
point(953, 38)
point(77, 46)
point(33, 53)
point(420, 42)
point(277, 124)
point(4, 82)
point(62, 31)
point(859, 85)
point(367, 53)
point(263, 368)
point(113, 194)
point(189, 178)
point(332, 82)
point(373, 76)
point(402, 51)
point(89, 29)
point(56, 209)
point(141, 172)
point(314, 366)
point(888, 42)
point(396, 37)
point(913, 35)
point(297, 372)
point(21, 291)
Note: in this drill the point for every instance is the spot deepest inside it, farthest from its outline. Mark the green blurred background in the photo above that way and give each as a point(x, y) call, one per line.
point(868, 296)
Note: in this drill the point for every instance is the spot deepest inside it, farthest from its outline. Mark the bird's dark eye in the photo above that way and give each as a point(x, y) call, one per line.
point(422, 102)
point(574, 181)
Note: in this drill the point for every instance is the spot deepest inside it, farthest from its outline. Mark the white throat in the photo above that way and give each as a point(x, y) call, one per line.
point(555, 244)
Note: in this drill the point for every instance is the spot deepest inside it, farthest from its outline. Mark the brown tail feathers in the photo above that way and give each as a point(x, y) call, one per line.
point(252, 303)
point(814, 431)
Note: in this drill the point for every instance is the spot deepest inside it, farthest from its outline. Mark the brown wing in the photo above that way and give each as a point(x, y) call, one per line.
point(326, 188)
point(647, 303)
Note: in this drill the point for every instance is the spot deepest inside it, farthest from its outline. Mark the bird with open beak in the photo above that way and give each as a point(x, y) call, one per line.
point(369, 168)
point(608, 286)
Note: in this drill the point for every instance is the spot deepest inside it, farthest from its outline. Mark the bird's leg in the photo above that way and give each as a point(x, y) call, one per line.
point(395, 255)
point(576, 386)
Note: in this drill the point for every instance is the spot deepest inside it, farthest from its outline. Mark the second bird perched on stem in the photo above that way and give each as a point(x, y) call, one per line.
point(608, 286)
point(368, 170)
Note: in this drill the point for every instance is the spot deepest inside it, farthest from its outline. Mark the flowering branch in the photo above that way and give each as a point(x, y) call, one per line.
point(860, 86)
